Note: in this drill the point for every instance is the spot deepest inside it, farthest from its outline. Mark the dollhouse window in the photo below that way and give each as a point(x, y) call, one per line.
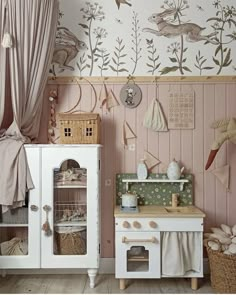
point(67, 131)
point(89, 131)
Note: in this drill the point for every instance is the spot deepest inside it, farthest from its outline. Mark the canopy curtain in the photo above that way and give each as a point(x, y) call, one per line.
point(32, 26)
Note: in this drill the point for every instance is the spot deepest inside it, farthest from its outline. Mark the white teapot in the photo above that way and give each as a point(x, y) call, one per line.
point(174, 171)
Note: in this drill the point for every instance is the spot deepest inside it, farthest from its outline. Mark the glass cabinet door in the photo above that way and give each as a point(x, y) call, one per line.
point(69, 207)
point(19, 239)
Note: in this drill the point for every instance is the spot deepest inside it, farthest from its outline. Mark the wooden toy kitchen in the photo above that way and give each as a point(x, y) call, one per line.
point(158, 230)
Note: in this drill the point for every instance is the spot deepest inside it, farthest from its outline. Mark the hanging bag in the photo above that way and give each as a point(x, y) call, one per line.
point(154, 118)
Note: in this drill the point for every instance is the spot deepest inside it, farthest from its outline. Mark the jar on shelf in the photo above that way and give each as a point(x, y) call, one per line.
point(142, 171)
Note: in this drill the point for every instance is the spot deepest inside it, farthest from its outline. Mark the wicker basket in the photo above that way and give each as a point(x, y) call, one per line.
point(71, 241)
point(79, 128)
point(223, 270)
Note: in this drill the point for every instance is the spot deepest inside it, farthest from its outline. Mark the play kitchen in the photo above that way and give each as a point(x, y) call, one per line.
point(158, 231)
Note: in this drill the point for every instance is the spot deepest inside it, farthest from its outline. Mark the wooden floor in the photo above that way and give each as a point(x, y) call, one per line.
point(105, 284)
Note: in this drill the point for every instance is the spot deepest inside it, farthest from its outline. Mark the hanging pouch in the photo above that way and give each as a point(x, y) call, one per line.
point(154, 118)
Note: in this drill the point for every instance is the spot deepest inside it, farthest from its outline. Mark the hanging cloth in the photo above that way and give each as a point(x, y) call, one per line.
point(154, 118)
point(28, 62)
point(180, 253)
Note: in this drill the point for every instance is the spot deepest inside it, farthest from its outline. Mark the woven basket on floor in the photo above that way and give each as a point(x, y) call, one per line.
point(223, 270)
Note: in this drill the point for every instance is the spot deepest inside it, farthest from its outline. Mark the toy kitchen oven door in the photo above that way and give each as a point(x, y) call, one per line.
point(137, 251)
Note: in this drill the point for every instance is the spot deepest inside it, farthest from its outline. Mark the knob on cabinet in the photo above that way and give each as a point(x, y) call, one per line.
point(136, 224)
point(152, 224)
point(126, 224)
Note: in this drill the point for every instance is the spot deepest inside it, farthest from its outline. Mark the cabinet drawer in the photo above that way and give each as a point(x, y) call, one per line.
point(158, 224)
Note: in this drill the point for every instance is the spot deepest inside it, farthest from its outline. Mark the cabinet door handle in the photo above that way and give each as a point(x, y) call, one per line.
point(126, 240)
point(46, 226)
point(34, 208)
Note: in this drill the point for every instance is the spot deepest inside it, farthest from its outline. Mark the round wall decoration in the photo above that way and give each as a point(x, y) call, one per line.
point(130, 95)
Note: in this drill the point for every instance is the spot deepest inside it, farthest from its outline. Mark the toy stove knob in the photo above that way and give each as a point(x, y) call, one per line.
point(136, 224)
point(126, 224)
point(152, 224)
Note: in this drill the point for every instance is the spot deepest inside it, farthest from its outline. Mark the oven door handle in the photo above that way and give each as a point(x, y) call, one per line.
point(126, 240)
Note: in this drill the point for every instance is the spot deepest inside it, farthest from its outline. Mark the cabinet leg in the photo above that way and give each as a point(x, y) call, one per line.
point(122, 284)
point(194, 284)
point(92, 272)
point(4, 273)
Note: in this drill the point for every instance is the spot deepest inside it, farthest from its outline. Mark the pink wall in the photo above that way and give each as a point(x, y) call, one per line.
point(190, 147)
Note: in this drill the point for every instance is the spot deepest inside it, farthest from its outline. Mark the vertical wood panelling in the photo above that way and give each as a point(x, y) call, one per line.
point(209, 179)
point(119, 115)
point(164, 137)
point(175, 135)
point(130, 155)
point(141, 131)
point(221, 194)
point(187, 139)
point(152, 136)
point(198, 146)
point(190, 147)
point(108, 179)
point(231, 158)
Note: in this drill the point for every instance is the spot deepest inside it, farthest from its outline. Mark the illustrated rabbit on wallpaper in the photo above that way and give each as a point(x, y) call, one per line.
point(65, 51)
point(166, 29)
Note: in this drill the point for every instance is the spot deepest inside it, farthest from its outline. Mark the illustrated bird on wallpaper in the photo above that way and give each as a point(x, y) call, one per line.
point(118, 2)
point(228, 131)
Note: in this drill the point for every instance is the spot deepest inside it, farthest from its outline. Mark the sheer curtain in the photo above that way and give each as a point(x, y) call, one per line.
point(32, 26)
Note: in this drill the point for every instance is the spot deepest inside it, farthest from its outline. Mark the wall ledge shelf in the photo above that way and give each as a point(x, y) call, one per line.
point(180, 181)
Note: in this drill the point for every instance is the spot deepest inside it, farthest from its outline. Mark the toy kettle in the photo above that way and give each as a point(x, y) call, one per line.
point(174, 171)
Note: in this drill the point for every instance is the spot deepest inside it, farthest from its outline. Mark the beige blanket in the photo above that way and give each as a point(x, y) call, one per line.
point(180, 253)
point(15, 178)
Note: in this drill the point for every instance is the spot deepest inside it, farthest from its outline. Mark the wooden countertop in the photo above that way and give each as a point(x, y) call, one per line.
point(162, 211)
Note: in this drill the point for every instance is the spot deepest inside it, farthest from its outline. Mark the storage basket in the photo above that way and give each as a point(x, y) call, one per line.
point(79, 128)
point(223, 270)
point(71, 240)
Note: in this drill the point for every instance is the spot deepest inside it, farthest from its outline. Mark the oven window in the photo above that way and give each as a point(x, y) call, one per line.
point(137, 259)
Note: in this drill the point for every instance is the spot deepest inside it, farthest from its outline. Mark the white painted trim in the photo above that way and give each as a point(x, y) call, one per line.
point(107, 266)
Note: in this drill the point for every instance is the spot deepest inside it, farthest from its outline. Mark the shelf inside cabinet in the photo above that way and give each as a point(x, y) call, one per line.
point(13, 225)
point(72, 223)
point(72, 184)
point(180, 181)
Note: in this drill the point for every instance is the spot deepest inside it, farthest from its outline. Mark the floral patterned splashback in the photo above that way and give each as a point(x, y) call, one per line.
point(145, 38)
point(155, 193)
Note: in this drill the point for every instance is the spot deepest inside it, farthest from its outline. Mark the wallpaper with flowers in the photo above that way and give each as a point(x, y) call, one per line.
point(145, 38)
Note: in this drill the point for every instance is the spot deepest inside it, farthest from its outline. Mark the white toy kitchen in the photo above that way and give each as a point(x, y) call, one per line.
point(157, 238)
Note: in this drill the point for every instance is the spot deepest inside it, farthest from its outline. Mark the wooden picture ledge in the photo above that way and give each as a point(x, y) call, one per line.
point(142, 79)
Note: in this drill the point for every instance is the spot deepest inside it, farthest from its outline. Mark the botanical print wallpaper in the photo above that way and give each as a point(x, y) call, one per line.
point(145, 38)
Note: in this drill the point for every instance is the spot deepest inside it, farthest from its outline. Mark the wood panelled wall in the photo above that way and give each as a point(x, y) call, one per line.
point(190, 147)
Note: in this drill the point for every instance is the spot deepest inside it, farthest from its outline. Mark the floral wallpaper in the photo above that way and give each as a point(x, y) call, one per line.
point(145, 38)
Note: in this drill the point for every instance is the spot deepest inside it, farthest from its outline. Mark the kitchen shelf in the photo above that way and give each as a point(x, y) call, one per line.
point(180, 181)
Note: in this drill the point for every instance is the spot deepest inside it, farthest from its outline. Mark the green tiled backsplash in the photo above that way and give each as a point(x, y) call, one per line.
point(158, 193)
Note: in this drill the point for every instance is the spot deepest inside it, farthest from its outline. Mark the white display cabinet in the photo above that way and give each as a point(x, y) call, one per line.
point(61, 218)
